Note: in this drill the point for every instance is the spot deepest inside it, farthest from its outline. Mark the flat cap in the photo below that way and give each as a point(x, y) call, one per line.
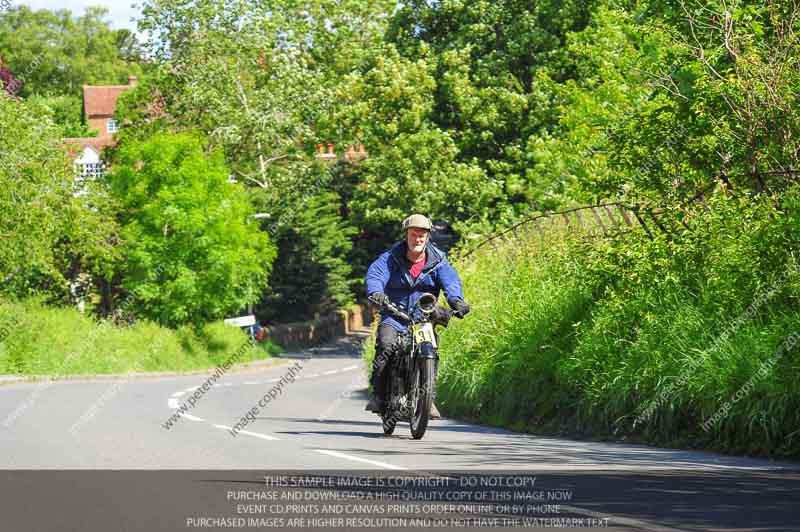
point(417, 220)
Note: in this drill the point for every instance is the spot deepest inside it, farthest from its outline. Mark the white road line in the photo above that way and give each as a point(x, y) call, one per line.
point(357, 459)
point(254, 434)
point(258, 435)
point(172, 402)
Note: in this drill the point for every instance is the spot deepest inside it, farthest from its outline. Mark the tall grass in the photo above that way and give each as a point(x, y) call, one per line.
point(578, 335)
point(44, 340)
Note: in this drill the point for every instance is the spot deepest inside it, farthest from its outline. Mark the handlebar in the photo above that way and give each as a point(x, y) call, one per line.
point(392, 309)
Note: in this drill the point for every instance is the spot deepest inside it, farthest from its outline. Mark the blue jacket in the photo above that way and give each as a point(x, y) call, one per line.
point(389, 275)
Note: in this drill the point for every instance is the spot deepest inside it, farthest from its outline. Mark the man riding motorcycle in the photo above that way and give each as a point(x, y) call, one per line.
point(410, 268)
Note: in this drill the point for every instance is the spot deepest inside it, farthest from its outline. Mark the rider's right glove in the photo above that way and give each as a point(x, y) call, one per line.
point(459, 306)
point(379, 298)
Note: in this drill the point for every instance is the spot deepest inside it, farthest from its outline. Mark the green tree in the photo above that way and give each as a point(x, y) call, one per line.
point(193, 253)
point(65, 111)
point(55, 53)
point(314, 273)
point(569, 161)
point(414, 165)
point(495, 63)
point(260, 81)
point(49, 233)
point(725, 100)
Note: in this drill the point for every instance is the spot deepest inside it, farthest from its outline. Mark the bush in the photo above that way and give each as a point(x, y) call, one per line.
point(193, 253)
point(48, 234)
point(46, 340)
point(638, 338)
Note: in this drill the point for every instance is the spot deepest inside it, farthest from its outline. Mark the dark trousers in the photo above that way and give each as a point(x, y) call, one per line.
point(386, 344)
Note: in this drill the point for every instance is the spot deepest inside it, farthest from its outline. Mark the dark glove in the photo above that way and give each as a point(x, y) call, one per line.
point(379, 299)
point(459, 306)
point(441, 316)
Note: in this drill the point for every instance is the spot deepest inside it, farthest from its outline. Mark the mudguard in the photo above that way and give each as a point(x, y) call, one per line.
point(426, 350)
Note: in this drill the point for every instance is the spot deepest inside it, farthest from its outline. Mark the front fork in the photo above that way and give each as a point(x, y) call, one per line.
point(401, 385)
point(427, 350)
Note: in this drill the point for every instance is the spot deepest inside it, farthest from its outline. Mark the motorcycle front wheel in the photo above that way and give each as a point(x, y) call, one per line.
point(422, 382)
point(389, 423)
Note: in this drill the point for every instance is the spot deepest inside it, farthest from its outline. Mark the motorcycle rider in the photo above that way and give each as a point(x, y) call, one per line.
point(401, 275)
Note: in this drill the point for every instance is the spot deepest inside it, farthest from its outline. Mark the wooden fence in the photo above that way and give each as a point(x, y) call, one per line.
point(323, 329)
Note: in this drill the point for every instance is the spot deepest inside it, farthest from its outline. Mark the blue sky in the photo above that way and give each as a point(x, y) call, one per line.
point(120, 11)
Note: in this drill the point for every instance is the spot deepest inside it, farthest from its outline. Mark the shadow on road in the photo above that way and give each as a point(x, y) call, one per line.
point(663, 501)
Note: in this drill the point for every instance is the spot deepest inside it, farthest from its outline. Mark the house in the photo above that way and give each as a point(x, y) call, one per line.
point(98, 111)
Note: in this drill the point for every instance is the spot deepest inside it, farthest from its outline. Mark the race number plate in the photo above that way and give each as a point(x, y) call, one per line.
point(424, 333)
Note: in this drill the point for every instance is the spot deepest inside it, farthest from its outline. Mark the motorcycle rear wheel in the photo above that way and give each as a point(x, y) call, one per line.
point(422, 380)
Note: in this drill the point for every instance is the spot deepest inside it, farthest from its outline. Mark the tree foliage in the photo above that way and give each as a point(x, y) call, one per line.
point(66, 113)
point(54, 53)
point(260, 82)
point(312, 274)
point(192, 251)
point(475, 113)
point(48, 233)
point(726, 98)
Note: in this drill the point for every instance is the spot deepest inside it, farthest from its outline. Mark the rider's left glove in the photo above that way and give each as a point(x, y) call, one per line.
point(441, 316)
point(459, 306)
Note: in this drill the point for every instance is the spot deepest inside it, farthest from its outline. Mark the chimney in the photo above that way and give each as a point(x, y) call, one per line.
point(328, 157)
point(132, 81)
point(354, 156)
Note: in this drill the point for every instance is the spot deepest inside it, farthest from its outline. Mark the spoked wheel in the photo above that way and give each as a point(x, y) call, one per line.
point(389, 423)
point(421, 396)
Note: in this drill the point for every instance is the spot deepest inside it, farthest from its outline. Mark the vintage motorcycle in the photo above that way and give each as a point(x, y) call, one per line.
point(412, 371)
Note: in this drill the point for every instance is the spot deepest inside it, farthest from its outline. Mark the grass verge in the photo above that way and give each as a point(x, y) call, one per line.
point(685, 339)
point(42, 340)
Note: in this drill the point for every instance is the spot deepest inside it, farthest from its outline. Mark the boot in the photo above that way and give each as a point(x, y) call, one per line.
point(375, 405)
point(434, 413)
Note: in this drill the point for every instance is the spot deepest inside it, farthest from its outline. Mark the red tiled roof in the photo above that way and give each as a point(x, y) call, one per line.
point(99, 100)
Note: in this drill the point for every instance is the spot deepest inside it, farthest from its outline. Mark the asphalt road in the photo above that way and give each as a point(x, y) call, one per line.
point(314, 422)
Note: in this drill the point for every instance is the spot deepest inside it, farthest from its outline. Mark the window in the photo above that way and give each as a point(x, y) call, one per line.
point(87, 171)
point(111, 126)
point(88, 167)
